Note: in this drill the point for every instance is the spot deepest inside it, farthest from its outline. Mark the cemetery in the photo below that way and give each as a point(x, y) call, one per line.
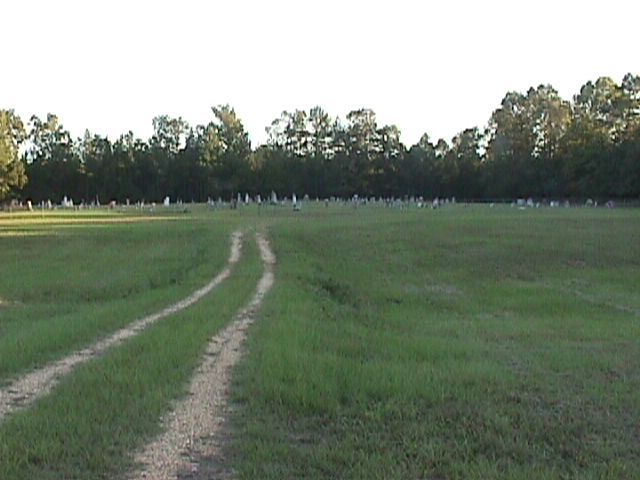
point(330, 240)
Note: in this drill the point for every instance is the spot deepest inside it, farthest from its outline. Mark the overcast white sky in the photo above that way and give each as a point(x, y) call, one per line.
point(435, 67)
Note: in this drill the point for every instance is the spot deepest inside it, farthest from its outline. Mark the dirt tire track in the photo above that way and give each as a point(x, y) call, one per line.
point(28, 388)
point(201, 414)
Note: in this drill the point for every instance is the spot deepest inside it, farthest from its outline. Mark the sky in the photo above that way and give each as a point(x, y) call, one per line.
point(427, 67)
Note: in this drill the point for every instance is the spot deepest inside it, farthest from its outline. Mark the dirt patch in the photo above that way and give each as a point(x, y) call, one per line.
point(443, 289)
point(197, 420)
point(577, 263)
point(4, 303)
point(25, 390)
point(600, 302)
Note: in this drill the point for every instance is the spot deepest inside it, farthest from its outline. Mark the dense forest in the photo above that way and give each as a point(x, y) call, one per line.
point(534, 145)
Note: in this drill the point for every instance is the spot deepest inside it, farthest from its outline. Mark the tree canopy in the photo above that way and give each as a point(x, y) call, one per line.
point(534, 144)
point(12, 133)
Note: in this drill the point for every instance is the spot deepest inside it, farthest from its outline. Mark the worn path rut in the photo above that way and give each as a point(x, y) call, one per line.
point(26, 389)
point(201, 414)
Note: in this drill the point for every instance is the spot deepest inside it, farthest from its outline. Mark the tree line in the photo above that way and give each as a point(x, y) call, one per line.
point(534, 145)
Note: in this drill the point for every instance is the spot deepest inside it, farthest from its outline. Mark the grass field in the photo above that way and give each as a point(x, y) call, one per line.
point(459, 343)
point(449, 344)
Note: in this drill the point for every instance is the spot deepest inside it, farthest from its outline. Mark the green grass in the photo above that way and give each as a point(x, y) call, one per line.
point(67, 280)
point(92, 422)
point(459, 343)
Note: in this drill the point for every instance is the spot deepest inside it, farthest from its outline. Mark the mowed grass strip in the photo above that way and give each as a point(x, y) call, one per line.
point(91, 424)
point(63, 290)
point(446, 344)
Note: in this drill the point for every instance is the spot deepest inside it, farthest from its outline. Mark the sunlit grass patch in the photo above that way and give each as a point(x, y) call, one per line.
point(80, 218)
point(28, 233)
